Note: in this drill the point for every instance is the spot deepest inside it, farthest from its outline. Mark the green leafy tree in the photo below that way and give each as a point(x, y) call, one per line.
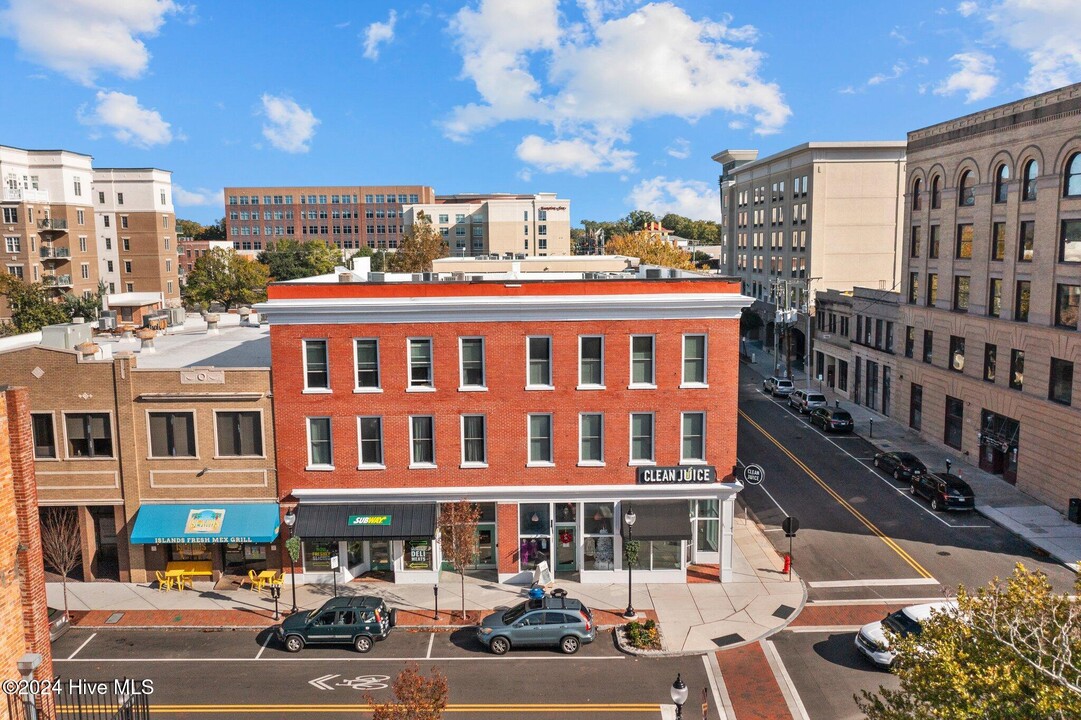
point(222, 275)
point(188, 228)
point(649, 249)
point(88, 308)
point(32, 306)
point(638, 219)
point(291, 259)
point(419, 247)
point(1011, 651)
point(214, 231)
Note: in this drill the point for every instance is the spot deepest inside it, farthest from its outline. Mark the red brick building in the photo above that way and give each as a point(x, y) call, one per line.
point(555, 401)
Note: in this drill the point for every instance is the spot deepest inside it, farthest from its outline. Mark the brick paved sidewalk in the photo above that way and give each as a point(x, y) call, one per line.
point(756, 695)
point(833, 615)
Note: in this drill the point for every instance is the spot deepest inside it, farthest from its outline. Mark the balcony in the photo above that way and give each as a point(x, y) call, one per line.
point(21, 195)
point(60, 253)
point(58, 281)
point(53, 225)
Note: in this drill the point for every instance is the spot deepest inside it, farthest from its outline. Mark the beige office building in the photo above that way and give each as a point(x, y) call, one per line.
point(47, 220)
point(992, 272)
point(499, 224)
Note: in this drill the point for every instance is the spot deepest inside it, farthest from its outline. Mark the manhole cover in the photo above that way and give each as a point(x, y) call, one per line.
point(728, 640)
point(114, 618)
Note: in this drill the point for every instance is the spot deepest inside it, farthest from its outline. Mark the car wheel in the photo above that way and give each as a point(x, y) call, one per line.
point(362, 644)
point(934, 505)
point(569, 645)
point(499, 646)
point(393, 618)
point(294, 643)
point(912, 488)
point(897, 475)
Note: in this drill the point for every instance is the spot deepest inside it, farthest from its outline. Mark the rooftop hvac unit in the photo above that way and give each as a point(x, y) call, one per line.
point(377, 277)
point(653, 273)
point(673, 273)
point(427, 277)
point(107, 322)
point(66, 336)
point(520, 256)
point(345, 277)
point(176, 315)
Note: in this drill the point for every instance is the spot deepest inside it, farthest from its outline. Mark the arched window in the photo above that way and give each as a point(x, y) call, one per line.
point(917, 187)
point(966, 196)
point(1002, 179)
point(1028, 183)
point(1072, 187)
point(936, 192)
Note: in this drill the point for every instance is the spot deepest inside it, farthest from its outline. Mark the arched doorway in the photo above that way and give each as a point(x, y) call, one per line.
point(796, 347)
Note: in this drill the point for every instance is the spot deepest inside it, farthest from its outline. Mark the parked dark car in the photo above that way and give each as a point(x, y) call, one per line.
point(832, 419)
point(358, 621)
point(944, 490)
point(58, 623)
point(902, 465)
point(539, 622)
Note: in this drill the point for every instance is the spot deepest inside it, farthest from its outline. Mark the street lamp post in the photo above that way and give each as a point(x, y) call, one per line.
point(629, 518)
point(291, 520)
point(679, 695)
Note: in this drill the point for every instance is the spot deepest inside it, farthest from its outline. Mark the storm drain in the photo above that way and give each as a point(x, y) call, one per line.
point(114, 618)
point(783, 611)
point(728, 640)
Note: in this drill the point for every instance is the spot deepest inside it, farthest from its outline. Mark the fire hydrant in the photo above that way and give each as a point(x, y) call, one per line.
point(787, 565)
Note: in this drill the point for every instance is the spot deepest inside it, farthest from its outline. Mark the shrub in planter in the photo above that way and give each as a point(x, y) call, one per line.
point(643, 636)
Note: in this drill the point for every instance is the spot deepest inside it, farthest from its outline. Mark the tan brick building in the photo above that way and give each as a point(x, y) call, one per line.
point(128, 433)
point(992, 281)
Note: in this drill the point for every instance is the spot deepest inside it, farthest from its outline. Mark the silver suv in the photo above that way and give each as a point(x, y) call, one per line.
point(776, 386)
point(807, 400)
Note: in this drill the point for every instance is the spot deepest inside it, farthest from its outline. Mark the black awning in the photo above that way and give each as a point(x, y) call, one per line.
point(370, 521)
point(659, 520)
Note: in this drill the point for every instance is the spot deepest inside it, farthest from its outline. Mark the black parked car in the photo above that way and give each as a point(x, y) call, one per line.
point(358, 621)
point(945, 491)
point(902, 465)
point(832, 419)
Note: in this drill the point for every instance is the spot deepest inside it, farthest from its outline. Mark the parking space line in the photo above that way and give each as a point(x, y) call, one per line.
point(85, 642)
point(479, 658)
point(431, 641)
point(788, 688)
point(265, 643)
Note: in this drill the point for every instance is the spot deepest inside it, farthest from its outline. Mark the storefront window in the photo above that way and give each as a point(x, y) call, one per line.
point(532, 551)
point(566, 512)
point(487, 512)
point(317, 556)
point(533, 518)
point(195, 551)
point(418, 554)
point(709, 526)
point(356, 552)
point(664, 554)
point(598, 528)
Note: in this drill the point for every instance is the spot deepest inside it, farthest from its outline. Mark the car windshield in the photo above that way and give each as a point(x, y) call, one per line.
point(785, 383)
point(511, 616)
point(902, 624)
point(816, 398)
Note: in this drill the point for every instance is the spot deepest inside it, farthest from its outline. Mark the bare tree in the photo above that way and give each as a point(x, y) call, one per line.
point(61, 543)
point(417, 697)
point(458, 537)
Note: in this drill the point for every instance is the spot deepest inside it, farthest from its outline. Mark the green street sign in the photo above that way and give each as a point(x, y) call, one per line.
point(369, 520)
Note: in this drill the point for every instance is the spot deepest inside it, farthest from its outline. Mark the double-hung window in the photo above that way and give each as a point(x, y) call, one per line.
point(591, 439)
point(422, 441)
point(367, 356)
point(44, 436)
point(420, 364)
point(642, 365)
point(172, 434)
point(370, 439)
point(693, 448)
point(316, 366)
point(591, 361)
point(89, 435)
point(320, 444)
point(471, 350)
point(540, 439)
point(474, 441)
point(240, 433)
point(539, 363)
point(694, 361)
point(641, 438)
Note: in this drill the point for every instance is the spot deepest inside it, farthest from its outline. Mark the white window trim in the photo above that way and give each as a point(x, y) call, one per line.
point(378, 371)
point(705, 419)
point(413, 465)
point(529, 440)
point(56, 438)
point(304, 365)
point(308, 435)
point(652, 385)
point(409, 387)
point(590, 463)
point(590, 386)
point(262, 433)
point(551, 369)
point(461, 430)
point(631, 461)
point(361, 465)
point(483, 387)
point(112, 434)
point(705, 362)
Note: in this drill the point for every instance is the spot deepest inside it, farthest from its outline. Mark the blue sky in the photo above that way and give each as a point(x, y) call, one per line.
point(614, 104)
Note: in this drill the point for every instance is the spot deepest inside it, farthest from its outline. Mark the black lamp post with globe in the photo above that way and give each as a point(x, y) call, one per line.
point(631, 557)
point(679, 695)
point(292, 546)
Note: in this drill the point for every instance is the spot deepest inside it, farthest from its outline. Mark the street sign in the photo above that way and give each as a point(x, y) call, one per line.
point(753, 474)
point(790, 525)
point(333, 562)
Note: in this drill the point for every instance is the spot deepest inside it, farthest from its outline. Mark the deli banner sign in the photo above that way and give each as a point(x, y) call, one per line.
point(677, 475)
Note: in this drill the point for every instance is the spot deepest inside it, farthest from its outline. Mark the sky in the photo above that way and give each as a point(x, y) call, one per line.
point(615, 105)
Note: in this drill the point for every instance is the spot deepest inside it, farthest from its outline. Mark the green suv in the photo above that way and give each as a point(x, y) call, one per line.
point(358, 621)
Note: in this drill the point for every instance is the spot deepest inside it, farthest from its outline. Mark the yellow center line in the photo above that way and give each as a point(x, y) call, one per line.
point(844, 503)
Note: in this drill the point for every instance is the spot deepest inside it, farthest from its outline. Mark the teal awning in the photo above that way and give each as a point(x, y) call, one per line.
point(208, 523)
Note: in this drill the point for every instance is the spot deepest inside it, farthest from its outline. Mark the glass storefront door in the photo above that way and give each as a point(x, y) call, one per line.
point(379, 554)
point(485, 557)
point(566, 548)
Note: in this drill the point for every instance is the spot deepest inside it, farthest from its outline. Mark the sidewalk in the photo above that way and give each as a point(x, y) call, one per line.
point(695, 617)
point(1040, 525)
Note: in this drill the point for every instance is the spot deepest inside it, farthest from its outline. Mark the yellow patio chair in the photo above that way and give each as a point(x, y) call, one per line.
point(278, 580)
point(184, 579)
point(255, 581)
point(164, 583)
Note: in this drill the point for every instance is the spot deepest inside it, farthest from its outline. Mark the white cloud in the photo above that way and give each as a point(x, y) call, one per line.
point(1048, 32)
point(198, 197)
point(899, 36)
point(737, 125)
point(577, 156)
point(83, 38)
point(968, 8)
point(895, 72)
point(592, 83)
point(379, 33)
point(130, 122)
point(847, 90)
point(694, 199)
point(975, 76)
point(680, 148)
point(290, 127)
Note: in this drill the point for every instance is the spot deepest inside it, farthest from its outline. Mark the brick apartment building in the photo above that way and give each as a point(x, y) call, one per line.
point(24, 623)
point(135, 438)
point(553, 401)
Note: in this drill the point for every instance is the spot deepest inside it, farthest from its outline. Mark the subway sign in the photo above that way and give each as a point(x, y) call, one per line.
point(369, 520)
point(677, 475)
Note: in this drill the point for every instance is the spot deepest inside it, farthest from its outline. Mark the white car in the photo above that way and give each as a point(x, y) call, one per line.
point(778, 386)
point(871, 639)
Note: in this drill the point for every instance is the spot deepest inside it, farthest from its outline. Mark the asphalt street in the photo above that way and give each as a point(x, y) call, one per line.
point(226, 674)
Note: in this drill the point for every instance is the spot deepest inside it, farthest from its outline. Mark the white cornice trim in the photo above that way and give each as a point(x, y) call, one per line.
point(656, 306)
point(491, 493)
